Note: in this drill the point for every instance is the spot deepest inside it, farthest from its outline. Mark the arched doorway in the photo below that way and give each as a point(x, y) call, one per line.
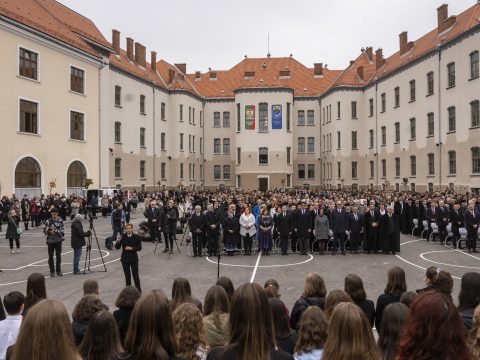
point(28, 178)
point(76, 176)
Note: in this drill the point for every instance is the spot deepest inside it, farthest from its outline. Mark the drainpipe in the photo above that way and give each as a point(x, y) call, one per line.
point(321, 158)
point(153, 137)
point(376, 133)
point(440, 117)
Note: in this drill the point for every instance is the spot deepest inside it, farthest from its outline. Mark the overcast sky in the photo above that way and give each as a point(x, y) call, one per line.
point(218, 33)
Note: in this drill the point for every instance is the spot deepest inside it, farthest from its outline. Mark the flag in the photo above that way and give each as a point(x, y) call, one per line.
point(276, 116)
point(249, 117)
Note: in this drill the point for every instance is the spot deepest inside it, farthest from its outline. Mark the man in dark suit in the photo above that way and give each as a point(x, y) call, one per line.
point(441, 218)
point(472, 219)
point(388, 227)
point(196, 224)
point(431, 217)
point(456, 218)
point(212, 224)
point(303, 227)
point(284, 228)
point(371, 228)
point(422, 216)
point(154, 217)
point(355, 226)
point(339, 226)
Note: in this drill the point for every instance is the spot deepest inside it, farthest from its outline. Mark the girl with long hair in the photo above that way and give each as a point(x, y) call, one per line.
point(354, 288)
point(334, 298)
point(474, 335)
point(216, 309)
point(469, 297)
point(227, 284)
point(192, 339)
point(125, 302)
point(350, 336)
point(182, 293)
point(396, 286)
point(36, 291)
point(101, 340)
point(286, 338)
point(82, 313)
point(312, 334)
point(393, 321)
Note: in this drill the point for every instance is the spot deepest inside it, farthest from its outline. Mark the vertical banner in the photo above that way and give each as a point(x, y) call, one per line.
point(276, 116)
point(249, 117)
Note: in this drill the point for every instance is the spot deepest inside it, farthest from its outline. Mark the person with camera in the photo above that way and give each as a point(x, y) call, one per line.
point(55, 236)
point(154, 217)
point(130, 243)
point(171, 217)
point(118, 222)
point(78, 241)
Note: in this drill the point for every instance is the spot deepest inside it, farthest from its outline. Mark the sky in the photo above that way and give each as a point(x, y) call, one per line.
point(218, 34)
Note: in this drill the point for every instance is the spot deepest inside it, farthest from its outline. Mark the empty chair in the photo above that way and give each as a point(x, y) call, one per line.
point(449, 234)
point(434, 231)
point(425, 228)
point(415, 226)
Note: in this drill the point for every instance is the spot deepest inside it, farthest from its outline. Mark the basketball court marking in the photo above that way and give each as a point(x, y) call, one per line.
point(256, 267)
point(422, 255)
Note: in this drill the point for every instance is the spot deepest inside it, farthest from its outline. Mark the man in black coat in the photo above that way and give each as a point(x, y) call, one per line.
point(303, 227)
point(355, 226)
point(212, 225)
point(196, 224)
point(388, 228)
point(78, 241)
point(339, 226)
point(441, 218)
point(283, 225)
point(154, 217)
point(431, 217)
point(130, 243)
point(472, 220)
point(171, 218)
point(372, 218)
point(422, 216)
point(456, 218)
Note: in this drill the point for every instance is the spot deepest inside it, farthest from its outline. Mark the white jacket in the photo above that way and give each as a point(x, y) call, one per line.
point(247, 221)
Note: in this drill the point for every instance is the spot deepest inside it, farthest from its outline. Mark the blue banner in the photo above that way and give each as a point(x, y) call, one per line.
point(276, 117)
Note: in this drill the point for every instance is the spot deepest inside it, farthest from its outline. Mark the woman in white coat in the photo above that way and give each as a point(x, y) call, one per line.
point(247, 230)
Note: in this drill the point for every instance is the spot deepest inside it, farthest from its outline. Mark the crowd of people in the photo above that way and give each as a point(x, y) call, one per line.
point(250, 322)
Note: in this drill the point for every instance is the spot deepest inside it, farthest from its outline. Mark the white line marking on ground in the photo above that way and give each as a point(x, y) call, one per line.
point(465, 253)
point(256, 267)
point(262, 266)
point(444, 264)
point(411, 241)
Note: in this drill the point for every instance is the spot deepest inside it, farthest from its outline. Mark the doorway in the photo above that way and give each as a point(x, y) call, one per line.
point(263, 183)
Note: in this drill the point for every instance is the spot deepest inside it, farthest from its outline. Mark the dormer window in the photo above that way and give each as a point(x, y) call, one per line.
point(249, 75)
point(284, 74)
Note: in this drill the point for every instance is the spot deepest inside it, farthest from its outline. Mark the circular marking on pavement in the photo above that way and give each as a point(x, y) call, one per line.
point(422, 255)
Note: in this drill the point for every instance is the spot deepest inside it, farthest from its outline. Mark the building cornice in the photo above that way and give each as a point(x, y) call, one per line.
point(128, 74)
point(263, 90)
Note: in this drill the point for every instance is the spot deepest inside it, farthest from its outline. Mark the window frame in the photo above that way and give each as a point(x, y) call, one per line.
point(430, 83)
point(117, 96)
point(263, 123)
point(474, 65)
point(37, 116)
point(452, 162)
point(451, 77)
point(84, 133)
point(84, 80)
point(37, 69)
point(263, 156)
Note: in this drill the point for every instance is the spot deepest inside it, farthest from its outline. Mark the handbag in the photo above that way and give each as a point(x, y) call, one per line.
point(19, 231)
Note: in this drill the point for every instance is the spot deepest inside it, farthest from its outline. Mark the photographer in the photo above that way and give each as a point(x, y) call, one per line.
point(55, 235)
point(171, 217)
point(78, 241)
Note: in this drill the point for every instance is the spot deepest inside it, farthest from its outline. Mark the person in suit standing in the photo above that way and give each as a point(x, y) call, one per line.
point(431, 217)
point(472, 219)
point(284, 228)
point(441, 218)
point(339, 226)
point(456, 218)
point(355, 226)
point(371, 228)
point(231, 233)
point(388, 228)
point(154, 217)
point(196, 224)
point(212, 224)
point(130, 244)
point(303, 228)
point(171, 217)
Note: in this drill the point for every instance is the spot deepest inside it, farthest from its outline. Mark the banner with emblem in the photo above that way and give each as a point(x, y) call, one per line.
point(276, 117)
point(249, 117)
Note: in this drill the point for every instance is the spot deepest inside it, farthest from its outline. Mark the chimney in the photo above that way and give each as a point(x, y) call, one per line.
point(182, 68)
point(360, 72)
point(116, 40)
point(405, 45)
point(140, 54)
point(352, 62)
point(379, 60)
point(318, 69)
point(444, 22)
point(198, 75)
point(153, 61)
point(369, 52)
point(130, 48)
point(213, 75)
point(171, 75)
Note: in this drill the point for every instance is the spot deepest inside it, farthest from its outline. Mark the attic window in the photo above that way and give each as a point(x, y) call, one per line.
point(249, 74)
point(213, 75)
point(284, 74)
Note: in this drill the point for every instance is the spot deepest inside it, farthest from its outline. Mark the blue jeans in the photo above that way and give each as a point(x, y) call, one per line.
point(116, 231)
point(77, 254)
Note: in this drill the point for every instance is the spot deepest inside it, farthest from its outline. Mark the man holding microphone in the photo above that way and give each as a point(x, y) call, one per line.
point(130, 244)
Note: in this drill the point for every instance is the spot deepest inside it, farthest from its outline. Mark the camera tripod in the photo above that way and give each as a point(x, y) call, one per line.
point(166, 243)
point(88, 253)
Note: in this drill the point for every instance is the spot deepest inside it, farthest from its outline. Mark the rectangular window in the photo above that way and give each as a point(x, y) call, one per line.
point(181, 112)
point(216, 119)
point(354, 170)
point(384, 102)
point(452, 162)
point(142, 169)
point(263, 155)
point(430, 83)
point(310, 144)
point(201, 146)
point(451, 74)
point(413, 165)
point(77, 80)
point(372, 169)
point(216, 172)
point(28, 117)
point(301, 145)
point(397, 96)
point(476, 160)
point(162, 171)
point(162, 141)
point(384, 135)
point(370, 107)
point(142, 104)
point(118, 95)
point(239, 156)
point(181, 142)
point(412, 90)
point(193, 143)
point(226, 146)
point(28, 64)
point(226, 172)
point(181, 171)
point(452, 121)
point(339, 169)
point(431, 124)
point(431, 164)
point(413, 129)
point(189, 114)
point(397, 167)
point(384, 168)
point(354, 140)
point(162, 111)
point(311, 171)
point(474, 65)
point(301, 171)
point(142, 137)
point(354, 109)
point(397, 132)
point(118, 132)
point(301, 118)
point(339, 140)
point(201, 120)
point(201, 172)
point(338, 109)
point(77, 126)
point(189, 143)
point(193, 122)
point(289, 155)
point(263, 117)
point(226, 119)
point(475, 113)
point(216, 146)
point(118, 168)
point(288, 116)
point(310, 117)
point(239, 121)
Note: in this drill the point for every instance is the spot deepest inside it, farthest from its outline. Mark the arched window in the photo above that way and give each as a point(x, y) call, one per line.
point(28, 174)
point(76, 174)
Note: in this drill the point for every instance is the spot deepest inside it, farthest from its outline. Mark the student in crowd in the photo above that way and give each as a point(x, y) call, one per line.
point(36, 291)
point(334, 298)
point(392, 325)
point(272, 289)
point(125, 302)
point(13, 233)
point(182, 293)
point(428, 278)
point(45, 334)
point(151, 332)
point(2, 311)
point(227, 284)
point(216, 309)
point(474, 335)
point(101, 340)
point(312, 334)
point(285, 337)
point(90, 287)
point(350, 335)
point(313, 295)
point(82, 313)
point(251, 328)
point(396, 286)
point(433, 330)
point(354, 288)
point(408, 297)
point(191, 335)
point(9, 328)
point(469, 297)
